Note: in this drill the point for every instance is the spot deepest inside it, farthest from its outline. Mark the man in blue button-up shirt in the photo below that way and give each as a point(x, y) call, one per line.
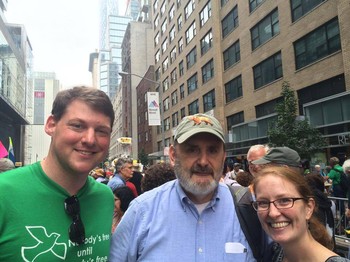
point(191, 218)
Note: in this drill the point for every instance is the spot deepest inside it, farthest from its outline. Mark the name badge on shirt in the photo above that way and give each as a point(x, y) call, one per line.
point(234, 247)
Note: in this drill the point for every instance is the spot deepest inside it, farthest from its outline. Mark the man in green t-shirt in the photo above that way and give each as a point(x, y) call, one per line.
point(53, 210)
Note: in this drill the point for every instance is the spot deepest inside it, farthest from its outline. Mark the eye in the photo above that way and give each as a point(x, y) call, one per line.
point(263, 203)
point(284, 201)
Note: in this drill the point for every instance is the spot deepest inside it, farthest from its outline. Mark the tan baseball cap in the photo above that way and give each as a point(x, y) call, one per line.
point(198, 123)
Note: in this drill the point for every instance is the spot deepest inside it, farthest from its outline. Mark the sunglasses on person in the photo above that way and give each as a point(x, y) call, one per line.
point(76, 230)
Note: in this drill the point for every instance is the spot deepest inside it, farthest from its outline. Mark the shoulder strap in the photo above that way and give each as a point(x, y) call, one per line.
point(249, 221)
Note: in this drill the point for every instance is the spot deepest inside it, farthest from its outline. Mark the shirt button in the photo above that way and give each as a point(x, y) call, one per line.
point(200, 250)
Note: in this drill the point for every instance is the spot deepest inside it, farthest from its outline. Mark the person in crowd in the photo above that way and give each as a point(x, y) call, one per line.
point(99, 175)
point(230, 176)
point(346, 170)
point(305, 164)
point(123, 172)
point(256, 152)
point(156, 175)
point(122, 198)
point(51, 210)
point(6, 164)
point(285, 206)
point(244, 178)
point(318, 170)
point(137, 177)
point(182, 220)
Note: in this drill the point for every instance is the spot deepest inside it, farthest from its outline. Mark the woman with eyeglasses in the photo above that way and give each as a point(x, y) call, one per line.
point(285, 207)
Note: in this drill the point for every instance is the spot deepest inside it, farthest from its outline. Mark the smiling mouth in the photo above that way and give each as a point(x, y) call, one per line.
point(85, 152)
point(279, 224)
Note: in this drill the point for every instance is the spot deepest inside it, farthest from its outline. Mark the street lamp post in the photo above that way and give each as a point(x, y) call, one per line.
point(121, 73)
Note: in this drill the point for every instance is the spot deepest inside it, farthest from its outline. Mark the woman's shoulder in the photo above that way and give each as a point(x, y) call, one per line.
point(337, 259)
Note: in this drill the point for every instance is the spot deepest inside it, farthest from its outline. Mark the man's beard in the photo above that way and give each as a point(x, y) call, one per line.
point(196, 188)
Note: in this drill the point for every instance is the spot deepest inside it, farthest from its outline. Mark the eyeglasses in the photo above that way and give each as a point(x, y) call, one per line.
point(282, 203)
point(76, 229)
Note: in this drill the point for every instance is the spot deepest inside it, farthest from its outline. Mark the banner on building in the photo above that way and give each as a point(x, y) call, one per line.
point(124, 140)
point(153, 109)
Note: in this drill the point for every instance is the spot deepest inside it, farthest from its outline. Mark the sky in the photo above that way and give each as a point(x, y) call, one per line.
point(62, 34)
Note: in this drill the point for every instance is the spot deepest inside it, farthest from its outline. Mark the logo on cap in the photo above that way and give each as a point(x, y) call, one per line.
point(200, 119)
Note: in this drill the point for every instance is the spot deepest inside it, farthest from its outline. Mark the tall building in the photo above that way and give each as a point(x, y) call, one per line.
point(15, 64)
point(112, 28)
point(229, 59)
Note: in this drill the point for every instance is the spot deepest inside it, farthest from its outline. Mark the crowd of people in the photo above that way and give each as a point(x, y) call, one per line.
point(197, 207)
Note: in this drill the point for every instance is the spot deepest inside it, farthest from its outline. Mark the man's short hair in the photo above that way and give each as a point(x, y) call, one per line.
point(95, 98)
point(120, 162)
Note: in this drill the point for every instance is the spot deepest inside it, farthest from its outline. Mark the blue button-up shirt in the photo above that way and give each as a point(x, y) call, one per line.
point(116, 181)
point(164, 225)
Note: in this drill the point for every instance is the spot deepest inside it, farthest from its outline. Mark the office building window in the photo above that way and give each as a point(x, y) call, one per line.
point(205, 14)
point(155, 6)
point(172, 34)
point(182, 91)
point(191, 58)
point(157, 74)
point(209, 101)
point(156, 39)
point(167, 127)
point(268, 70)
point(223, 2)
point(208, 71)
point(166, 104)
point(174, 98)
point(162, 8)
point(181, 68)
point(193, 108)
point(206, 42)
point(183, 112)
point(156, 21)
point(230, 22)
point(300, 8)
point(265, 29)
point(181, 45)
point(175, 118)
point(165, 84)
point(191, 32)
point(234, 119)
point(173, 76)
point(253, 4)
point(192, 83)
point(232, 55)
point(323, 41)
point(267, 108)
point(165, 64)
point(189, 8)
point(233, 89)
point(173, 55)
point(164, 45)
point(164, 26)
point(172, 12)
point(157, 56)
point(179, 22)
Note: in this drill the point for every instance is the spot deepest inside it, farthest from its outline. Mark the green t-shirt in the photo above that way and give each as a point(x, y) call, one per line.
point(34, 225)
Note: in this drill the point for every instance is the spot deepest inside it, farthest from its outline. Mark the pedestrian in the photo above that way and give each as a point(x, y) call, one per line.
point(157, 175)
point(285, 206)
point(123, 172)
point(122, 198)
point(191, 218)
point(53, 210)
point(256, 152)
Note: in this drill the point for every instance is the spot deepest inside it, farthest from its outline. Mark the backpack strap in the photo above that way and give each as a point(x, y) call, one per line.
point(250, 223)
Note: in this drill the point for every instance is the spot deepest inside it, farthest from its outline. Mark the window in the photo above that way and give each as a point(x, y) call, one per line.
point(193, 108)
point(205, 14)
point(173, 55)
point(268, 70)
point(175, 118)
point(183, 112)
point(265, 29)
point(178, 3)
point(182, 91)
point(165, 65)
point(233, 89)
point(300, 8)
point(209, 100)
point(192, 83)
point(166, 104)
point(208, 71)
point(165, 84)
point(162, 8)
point(164, 26)
point(172, 33)
point(174, 98)
point(173, 76)
point(191, 32)
point(191, 58)
point(167, 127)
point(230, 22)
point(179, 22)
point(189, 8)
point(181, 68)
point(231, 55)
point(155, 6)
point(223, 2)
point(253, 4)
point(181, 45)
point(164, 45)
point(172, 12)
point(321, 42)
point(157, 74)
point(156, 39)
point(157, 56)
point(156, 21)
point(206, 42)
point(267, 108)
point(234, 119)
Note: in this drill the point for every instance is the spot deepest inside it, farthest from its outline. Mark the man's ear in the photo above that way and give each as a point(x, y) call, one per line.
point(172, 155)
point(50, 125)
